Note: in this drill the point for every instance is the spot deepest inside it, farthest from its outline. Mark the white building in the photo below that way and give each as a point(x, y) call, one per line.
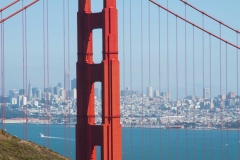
point(24, 101)
point(35, 103)
point(63, 93)
point(14, 101)
point(74, 93)
point(149, 92)
point(206, 93)
point(156, 93)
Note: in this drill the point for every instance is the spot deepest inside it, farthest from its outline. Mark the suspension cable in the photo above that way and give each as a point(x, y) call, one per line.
point(2, 107)
point(177, 82)
point(204, 96)
point(159, 78)
point(186, 82)
point(3, 78)
point(227, 104)
point(131, 71)
point(149, 50)
point(69, 116)
point(64, 72)
point(168, 94)
point(48, 94)
point(221, 101)
point(238, 100)
point(142, 77)
point(2, 74)
point(26, 68)
point(23, 68)
point(124, 86)
point(210, 69)
point(194, 94)
point(44, 69)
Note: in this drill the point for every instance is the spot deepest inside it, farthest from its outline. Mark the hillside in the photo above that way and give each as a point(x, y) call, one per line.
point(13, 148)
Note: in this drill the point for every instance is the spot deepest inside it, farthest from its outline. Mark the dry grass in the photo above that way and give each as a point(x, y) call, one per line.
point(12, 148)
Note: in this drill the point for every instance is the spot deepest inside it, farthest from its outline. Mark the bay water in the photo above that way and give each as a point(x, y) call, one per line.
point(144, 143)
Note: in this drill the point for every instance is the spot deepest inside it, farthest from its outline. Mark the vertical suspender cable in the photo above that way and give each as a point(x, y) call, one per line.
point(2, 74)
point(238, 102)
point(177, 82)
point(194, 94)
point(1, 68)
point(69, 116)
point(131, 71)
point(142, 78)
point(203, 79)
point(227, 102)
point(149, 50)
point(186, 82)
point(26, 67)
point(44, 68)
point(3, 77)
point(124, 89)
point(210, 69)
point(2, 50)
point(48, 94)
point(64, 73)
point(159, 78)
point(168, 94)
point(221, 102)
point(23, 63)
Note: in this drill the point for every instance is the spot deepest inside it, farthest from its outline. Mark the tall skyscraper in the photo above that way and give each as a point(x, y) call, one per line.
point(156, 93)
point(15, 94)
point(149, 92)
point(21, 91)
point(56, 90)
point(39, 94)
point(11, 93)
point(19, 100)
point(60, 84)
point(206, 93)
point(34, 92)
point(73, 83)
point(29, 90)
point(67, 83)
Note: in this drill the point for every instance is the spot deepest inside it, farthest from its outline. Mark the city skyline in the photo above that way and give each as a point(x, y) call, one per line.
point(13, 79)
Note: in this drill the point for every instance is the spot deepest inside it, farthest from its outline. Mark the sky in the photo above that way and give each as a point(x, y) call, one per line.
point(134, 40)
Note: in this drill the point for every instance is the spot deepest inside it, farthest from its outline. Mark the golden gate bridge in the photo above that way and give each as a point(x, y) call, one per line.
point(180, 55)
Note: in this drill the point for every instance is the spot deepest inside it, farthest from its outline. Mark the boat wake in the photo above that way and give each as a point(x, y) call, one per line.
point(43, 136)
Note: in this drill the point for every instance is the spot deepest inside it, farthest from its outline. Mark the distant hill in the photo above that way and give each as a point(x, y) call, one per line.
point(13, 148)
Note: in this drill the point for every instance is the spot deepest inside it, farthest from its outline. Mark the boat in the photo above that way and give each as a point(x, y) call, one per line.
point(175, 127)
point(41, 135)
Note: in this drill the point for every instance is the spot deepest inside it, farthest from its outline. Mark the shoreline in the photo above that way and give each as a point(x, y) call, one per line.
point(153, 127)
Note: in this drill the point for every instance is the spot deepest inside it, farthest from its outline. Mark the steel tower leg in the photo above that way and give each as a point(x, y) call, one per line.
point(88, 134)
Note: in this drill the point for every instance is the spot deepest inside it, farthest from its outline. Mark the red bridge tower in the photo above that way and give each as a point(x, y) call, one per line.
point(88, 134)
